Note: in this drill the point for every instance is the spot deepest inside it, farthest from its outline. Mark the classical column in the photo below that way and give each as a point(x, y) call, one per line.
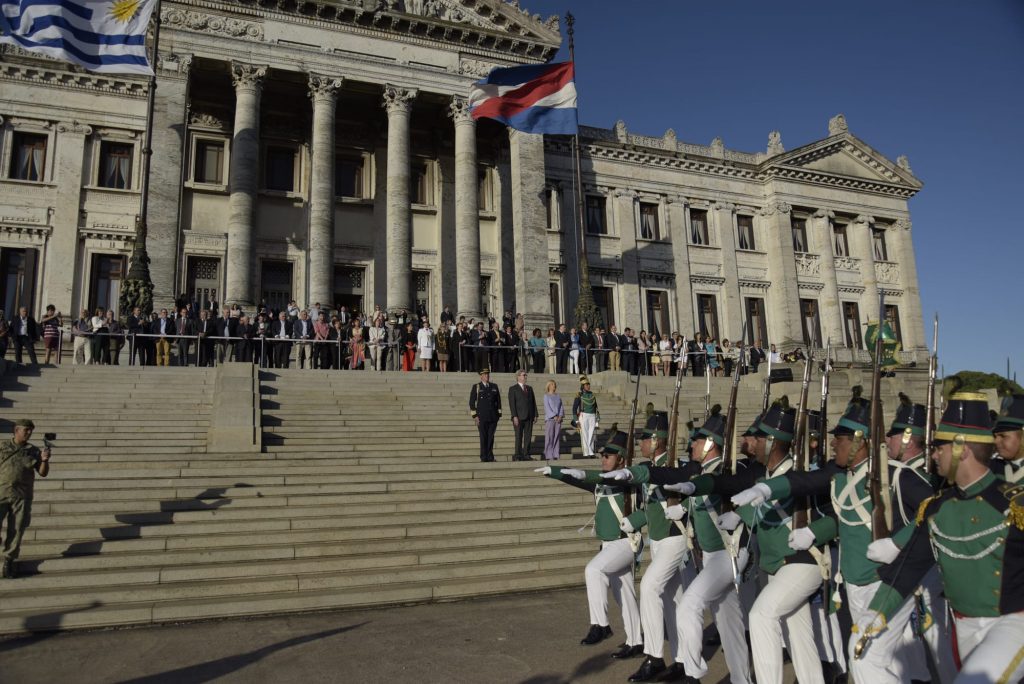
point(634, 305)
point(467, 212)
point(863, 248)
point(323, 91)
point(243, 181)
point(529, 237)
point(784, 324)
point(829, 310)
point(398, 103)
point(725, 220)
point(678, 229)
point(914, 335)
point(62, 248)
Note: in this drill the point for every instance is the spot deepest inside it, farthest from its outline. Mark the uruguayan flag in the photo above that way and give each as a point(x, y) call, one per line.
point(107, 36)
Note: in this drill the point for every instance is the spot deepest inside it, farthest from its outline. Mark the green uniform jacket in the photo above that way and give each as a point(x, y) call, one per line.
point(653, 513)
point(607, 498)
point(977, 536)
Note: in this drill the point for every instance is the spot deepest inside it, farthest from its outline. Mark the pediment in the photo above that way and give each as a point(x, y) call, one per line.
point(848, 156)
point(495, 16)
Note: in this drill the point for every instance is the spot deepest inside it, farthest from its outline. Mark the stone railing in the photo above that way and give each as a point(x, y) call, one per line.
point(887, 272)
point(808, 264)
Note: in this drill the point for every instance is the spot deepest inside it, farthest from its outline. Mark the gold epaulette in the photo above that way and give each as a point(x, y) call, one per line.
point(1015, 495)
point(924, 507)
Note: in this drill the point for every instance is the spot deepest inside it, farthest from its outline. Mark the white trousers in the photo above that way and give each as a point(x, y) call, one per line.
point(991, 649)
point(574, 362)
point(82, 351)
point(714, 589)
point(889, 658)
point(831, 647)
point(782, 609)
point(660, 592)
point(939, 635)
point(588, 432)
point(612, 568)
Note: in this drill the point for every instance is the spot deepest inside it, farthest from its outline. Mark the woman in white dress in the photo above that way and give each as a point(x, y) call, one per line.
point(425, 341)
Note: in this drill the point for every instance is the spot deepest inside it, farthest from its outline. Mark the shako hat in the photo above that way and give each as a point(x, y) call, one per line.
point(617, 444)
point(752, 430)
point(966, 416)
point(1011, 414)
point(584, 380)
point(779, 421)
point(714, 427)
point(908, 415)
point(657, 425)
point(856, 417)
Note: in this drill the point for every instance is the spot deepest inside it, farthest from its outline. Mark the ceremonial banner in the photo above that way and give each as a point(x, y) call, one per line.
point(532, 99)
point(105, 36)
point(890, 345)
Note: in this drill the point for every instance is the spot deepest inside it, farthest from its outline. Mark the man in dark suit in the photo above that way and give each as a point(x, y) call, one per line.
point(485, 409)
point(136, 322)
point(226, 326)
point(281, 333)
point(695, 351)
point(302, 332)
point(25, 333)
point(205, 328)
point(243, 347)
point(184, 327)
point(562, 348)
point(522, 404)
point(756, 356)
point(630, 355)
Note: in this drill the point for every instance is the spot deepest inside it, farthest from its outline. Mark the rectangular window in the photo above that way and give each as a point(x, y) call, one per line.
point(699, 227)
point(107, 271)
point(421, 291)
point(605, 306)
point(203, 275)
point(556, 306)
point(812, 322)
point(280, 169)
point(595, 216)
point(657, 313)
point(276, 284)
point(878, 242)
point(892, 316)
point(348, 176)
point(799, 227)
point(707, 315)
point(17, 279)
point(757, 325)
point(419, 186)
point(851, 323)
point(745, 232)
point(28, 157)
point(649, 228)
point(116, 165)
point(209, 162)
point(842, 247)
point(549, 208)
point(485, 197)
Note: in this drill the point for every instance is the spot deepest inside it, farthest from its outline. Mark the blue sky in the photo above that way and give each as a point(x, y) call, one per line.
point(937, 80)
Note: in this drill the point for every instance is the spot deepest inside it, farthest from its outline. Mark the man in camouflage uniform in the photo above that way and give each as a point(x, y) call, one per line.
point(19, 463)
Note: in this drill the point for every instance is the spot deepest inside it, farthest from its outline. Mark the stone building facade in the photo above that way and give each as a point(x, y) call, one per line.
point(321, 151)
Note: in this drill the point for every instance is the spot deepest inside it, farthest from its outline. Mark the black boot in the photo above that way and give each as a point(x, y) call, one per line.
point(7, 568)
point(677, 673)
point(626, 651)
point(596, 634)
point(650, 671)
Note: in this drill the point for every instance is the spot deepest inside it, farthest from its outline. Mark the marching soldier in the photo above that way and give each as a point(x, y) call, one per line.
point(612, 567)
point(584, 408)
point(974, 530)
point(485, 409)
point(661, 588)
point(1008, 463)
point(893, 658)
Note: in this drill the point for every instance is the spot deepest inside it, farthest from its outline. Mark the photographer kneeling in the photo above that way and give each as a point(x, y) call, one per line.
point(19, 463)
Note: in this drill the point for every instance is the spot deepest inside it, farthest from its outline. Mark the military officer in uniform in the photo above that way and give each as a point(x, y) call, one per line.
point(485, 409)
point(19, 464)
point(974, 529)
point(587, 417)
point(1008, 463)
point(612, 567)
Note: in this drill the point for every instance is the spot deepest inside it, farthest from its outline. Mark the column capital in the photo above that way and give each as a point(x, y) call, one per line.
point(398, 99)
point(864, 218)
point(776, 207)
point(248, 76)
point(458, 111)
point(74, 127)
point(822, 212)
point(902, 223)
point(725, 206)
point(324, 87)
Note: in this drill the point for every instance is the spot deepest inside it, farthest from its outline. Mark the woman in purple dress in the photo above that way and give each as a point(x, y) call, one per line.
point(553, 414)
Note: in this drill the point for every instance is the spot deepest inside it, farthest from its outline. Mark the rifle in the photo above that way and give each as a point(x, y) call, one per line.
point(631, 445)
point(878, 467)
point(673, 421)
point(729, 442)
point(822, 449)
point(801, 510)
point(929, 426)
point(707, 390)
point(766, 399)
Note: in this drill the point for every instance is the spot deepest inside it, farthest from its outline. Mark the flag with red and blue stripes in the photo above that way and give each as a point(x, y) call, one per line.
point(533, 99)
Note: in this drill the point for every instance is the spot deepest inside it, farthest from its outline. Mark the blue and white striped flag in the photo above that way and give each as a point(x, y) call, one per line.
point(106, 36)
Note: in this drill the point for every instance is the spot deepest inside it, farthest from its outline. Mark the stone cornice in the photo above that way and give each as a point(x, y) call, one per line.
point(54, 76)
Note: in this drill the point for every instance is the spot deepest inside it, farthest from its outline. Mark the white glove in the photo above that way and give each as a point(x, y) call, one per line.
point(684, 488)
point(755, 496)
point(574, 473)
point(626, 526)
point(622, 475)
point(675, 512)
point(872, 624)
point(883, 551)
point(729, 521)
point(545, 470)
point(801, 539)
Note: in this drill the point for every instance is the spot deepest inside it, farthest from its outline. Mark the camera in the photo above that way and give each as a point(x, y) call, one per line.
point(50, 436)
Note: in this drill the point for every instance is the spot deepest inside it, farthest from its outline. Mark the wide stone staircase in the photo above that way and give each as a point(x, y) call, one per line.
point(368, 491)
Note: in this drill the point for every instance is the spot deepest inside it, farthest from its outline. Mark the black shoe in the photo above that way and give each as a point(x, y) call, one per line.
point(7, 569)
point(626, 651)
point(596, 634)
point(677, 673)
point(650, 671)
